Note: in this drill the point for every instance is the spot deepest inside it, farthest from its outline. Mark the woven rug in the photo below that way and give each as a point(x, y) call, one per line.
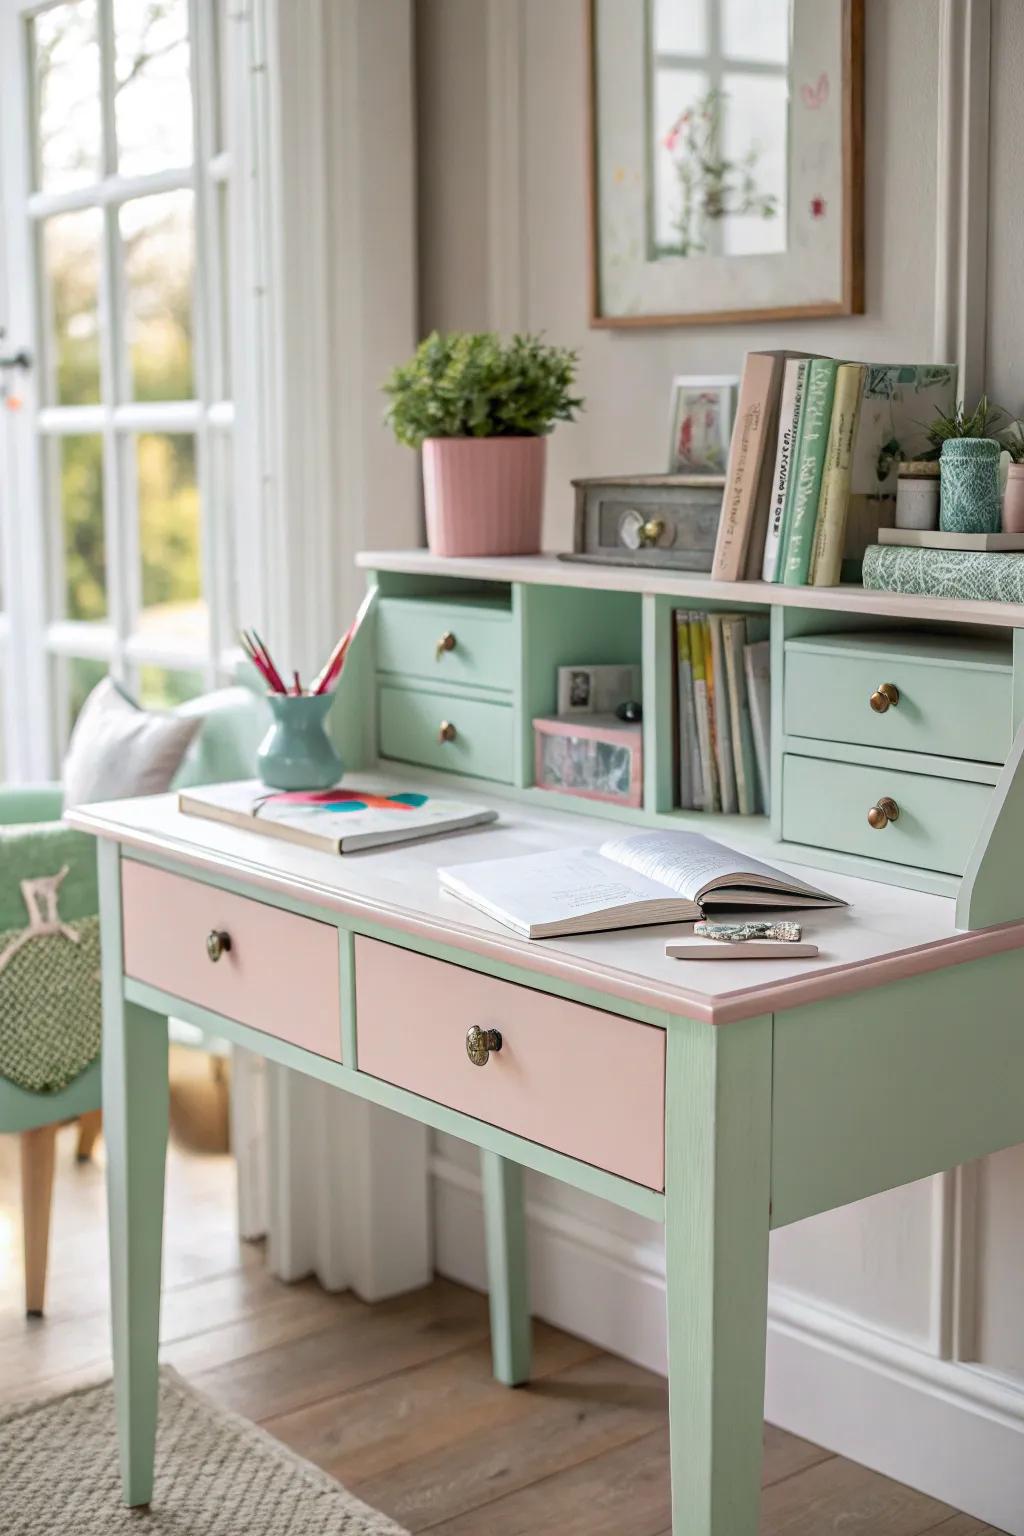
point(216, 1475)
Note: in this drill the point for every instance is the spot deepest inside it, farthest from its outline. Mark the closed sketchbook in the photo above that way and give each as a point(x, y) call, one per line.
point(645, 877)
point(339, 820)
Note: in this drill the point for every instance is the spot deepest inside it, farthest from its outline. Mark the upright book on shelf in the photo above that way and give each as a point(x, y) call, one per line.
point(722, 732)
point(709, 800)
point(794, 381)
point(804, 485)
point(757, 669)
point(691, 788)
point(745, 505)
point(736, 632)
point(834, 500)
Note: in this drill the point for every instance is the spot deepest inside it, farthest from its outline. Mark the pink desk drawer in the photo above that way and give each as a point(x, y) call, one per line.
point(583, 1082)
point(280, 974)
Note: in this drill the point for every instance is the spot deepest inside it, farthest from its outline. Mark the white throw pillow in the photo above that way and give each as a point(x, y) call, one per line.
point(118, 750)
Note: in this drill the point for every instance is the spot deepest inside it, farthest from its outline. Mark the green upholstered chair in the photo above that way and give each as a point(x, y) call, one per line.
point(50, 962)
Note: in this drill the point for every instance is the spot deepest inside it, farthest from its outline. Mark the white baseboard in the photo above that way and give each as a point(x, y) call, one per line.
point(952, 1430)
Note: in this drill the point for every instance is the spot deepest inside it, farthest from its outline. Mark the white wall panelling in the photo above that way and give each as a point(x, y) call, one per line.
point(877, 1310)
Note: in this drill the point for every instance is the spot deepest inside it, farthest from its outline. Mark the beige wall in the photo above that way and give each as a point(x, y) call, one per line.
point(626, 375)
point(878, 1263)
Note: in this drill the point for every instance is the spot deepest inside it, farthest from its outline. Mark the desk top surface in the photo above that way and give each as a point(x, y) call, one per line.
point(884, 934)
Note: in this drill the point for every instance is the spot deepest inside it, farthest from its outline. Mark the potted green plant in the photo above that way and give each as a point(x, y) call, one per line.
point(970, 485)
point(481, 409)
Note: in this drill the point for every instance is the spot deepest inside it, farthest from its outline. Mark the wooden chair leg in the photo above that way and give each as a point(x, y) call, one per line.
point(89, 1126)
point(37, 1158)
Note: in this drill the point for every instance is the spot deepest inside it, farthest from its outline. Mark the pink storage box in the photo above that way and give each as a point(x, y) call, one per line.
point(599, 757)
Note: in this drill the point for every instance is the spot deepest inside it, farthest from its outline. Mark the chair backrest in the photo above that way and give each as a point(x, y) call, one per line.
point(234, 721)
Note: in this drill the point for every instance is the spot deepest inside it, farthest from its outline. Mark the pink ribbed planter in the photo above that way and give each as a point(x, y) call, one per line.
point(484, 495)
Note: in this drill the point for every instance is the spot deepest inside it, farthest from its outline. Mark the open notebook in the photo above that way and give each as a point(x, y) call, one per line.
point(650, 877)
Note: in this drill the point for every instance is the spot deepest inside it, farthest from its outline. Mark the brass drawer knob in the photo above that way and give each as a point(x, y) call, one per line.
point(217, 943)
point(883, 812)
point(480, 1043)
point(446, 643)
point(651, 532)
point(446, 731)
point(886, 695)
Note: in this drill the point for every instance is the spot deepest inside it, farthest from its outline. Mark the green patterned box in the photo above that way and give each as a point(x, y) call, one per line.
point(986, 577)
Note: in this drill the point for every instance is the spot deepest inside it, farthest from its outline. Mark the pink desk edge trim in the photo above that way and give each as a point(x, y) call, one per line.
point(744, 1003)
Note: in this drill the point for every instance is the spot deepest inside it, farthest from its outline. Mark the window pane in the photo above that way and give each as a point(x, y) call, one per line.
point(162, 688)
point(154, 97)
point(71, 276)
point(756, 29)
point(174, 610)
point(679, 95)
point(158, 240)
point(81, 520)
point(755, 126)
point(681, 26)
point(67, 82)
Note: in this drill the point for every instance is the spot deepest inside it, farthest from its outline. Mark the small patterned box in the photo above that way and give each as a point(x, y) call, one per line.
point(599, 757)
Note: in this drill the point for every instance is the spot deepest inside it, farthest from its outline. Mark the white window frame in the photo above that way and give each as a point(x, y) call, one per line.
point(39, 642)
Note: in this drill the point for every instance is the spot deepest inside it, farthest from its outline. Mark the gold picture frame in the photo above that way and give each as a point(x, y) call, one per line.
point(846, 270)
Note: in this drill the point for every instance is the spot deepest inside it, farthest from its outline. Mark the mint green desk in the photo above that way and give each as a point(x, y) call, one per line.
point(778, 1090)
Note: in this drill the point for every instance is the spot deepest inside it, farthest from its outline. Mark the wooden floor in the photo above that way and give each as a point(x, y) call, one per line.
point(396, 1400)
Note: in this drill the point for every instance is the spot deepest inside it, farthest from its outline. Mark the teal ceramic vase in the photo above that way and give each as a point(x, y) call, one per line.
point(970, 499)
point(296, 752)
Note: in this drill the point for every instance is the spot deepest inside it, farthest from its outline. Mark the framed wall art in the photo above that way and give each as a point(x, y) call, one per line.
point(726, 175)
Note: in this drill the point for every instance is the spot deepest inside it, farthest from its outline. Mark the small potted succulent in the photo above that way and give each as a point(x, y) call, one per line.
point(970, 496)
point(481, 408)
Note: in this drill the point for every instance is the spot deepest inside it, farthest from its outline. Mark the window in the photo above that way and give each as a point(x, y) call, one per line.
point(121, 206)
point(718, 126)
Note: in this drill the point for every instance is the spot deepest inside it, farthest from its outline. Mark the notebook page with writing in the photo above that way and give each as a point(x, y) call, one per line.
point(697, 867)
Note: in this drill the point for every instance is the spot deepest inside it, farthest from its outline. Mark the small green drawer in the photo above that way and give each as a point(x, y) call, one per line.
point(826, 804)
point(477, 741)
point(954, 694)
point(446, 641)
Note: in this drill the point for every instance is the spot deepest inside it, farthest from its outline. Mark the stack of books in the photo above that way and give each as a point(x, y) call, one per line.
point(813, 460)
point(724, 693)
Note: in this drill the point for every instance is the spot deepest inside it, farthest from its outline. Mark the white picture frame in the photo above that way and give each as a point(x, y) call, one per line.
point(701, 416)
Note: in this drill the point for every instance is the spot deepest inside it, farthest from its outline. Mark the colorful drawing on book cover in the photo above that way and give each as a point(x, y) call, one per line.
point(343, 800)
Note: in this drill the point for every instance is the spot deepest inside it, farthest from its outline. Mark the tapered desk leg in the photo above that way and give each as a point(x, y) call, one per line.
point(505, 1225)
point(135, 1103)
point(717, 1191)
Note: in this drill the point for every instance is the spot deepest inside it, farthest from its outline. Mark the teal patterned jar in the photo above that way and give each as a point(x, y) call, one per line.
point(970, 488)
point(296, 752)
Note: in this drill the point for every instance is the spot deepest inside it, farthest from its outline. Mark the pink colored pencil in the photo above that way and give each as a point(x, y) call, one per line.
point(257, 660)
point(336, 660)
point(275, 676)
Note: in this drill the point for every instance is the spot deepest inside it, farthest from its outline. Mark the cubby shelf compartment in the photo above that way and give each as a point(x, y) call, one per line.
point(553, 613)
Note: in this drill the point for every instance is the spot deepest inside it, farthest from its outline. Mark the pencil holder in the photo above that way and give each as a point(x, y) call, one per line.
point(297, 753)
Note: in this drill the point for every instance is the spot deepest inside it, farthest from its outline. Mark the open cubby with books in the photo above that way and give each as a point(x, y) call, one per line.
point(943, 752)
